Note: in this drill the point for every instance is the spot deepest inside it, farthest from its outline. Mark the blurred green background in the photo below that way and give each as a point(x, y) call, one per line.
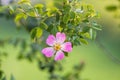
point(101, 57)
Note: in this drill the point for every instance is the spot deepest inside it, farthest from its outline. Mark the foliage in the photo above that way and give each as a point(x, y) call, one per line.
point(75, 19)
point(72, 17)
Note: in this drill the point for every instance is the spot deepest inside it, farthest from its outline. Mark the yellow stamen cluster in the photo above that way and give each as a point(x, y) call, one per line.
point(57, 46)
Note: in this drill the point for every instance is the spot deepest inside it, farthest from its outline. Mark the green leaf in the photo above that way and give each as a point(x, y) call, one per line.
point(76, 42)
point(72, 15)
point(54, 30)
point(92, 33)
point(111, 8)
point(24, 2)
point(98, 15)
point(83, 41)
point(39, 32)
point(51, 11)
point(39, 6)
point(11, 10)
point(20, 16)
point(89, 7)
point(96, 26)
point(50, 28)
point(32, 13)
point(60, 28)
point(86, 21)
point(87, 35)
point(66, 54)
point(67, 8)
point(44, 25)
point(86, 29)
point(36, 33)
point(66, 18)
point(57, 17)
point(33, 34)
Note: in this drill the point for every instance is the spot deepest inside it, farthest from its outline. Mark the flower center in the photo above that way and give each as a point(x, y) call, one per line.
point(57, 46)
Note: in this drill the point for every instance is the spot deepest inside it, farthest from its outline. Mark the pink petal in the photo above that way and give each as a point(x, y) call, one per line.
point(60, 37)
point(50, 40)
point(67, 47)
point(59, 56)
point(48, 52)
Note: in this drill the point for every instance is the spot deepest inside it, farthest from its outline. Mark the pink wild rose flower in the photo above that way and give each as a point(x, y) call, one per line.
point(57, 46)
